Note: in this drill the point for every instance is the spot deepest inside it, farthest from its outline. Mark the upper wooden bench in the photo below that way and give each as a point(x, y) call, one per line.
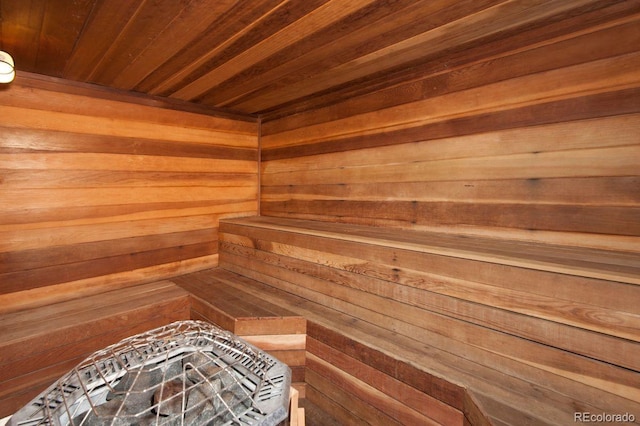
point(503, 332)
point(39, 345)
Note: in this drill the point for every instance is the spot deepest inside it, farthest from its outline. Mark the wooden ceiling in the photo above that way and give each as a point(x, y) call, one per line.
point(274, 57)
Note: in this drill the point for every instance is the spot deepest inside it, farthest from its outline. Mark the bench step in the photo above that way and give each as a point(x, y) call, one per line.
point(274, 329)
point(235, 310)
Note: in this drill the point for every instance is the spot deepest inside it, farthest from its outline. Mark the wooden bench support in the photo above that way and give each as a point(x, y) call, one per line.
point(39, 345)
point(296, 414)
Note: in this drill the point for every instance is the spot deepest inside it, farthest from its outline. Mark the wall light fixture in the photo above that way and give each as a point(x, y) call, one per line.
point(7, 68)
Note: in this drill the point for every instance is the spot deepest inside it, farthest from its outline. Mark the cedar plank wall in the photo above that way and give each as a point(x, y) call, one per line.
point(101, 189)
point(538, 143)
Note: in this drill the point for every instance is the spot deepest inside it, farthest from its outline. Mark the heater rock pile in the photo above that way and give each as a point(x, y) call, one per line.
point(190, 391)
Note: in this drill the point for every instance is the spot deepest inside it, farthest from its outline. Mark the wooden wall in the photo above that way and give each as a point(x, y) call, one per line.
point(100, 189)
point(533, 146)
point(538, 142)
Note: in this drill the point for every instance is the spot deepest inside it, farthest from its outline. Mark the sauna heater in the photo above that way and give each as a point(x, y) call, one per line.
point(188, 373)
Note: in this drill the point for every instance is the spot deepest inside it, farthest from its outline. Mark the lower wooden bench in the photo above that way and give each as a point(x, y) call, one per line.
point(335, 355)
point(274, 329)
point(39, 345)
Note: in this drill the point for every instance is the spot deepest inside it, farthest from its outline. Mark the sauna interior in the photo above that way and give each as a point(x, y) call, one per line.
point(430, 210)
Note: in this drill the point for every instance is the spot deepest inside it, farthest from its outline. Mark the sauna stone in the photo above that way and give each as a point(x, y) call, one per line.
point(168, 399)
point(195, 387)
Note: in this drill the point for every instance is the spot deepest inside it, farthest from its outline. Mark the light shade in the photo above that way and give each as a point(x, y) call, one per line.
point(7, 70)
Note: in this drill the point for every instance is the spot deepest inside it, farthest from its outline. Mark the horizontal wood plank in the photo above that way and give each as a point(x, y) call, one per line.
point(72, 96)
point(282, 341)
point(580, 219)
point(616, 161)
point(596, 191)
point(494, 142)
